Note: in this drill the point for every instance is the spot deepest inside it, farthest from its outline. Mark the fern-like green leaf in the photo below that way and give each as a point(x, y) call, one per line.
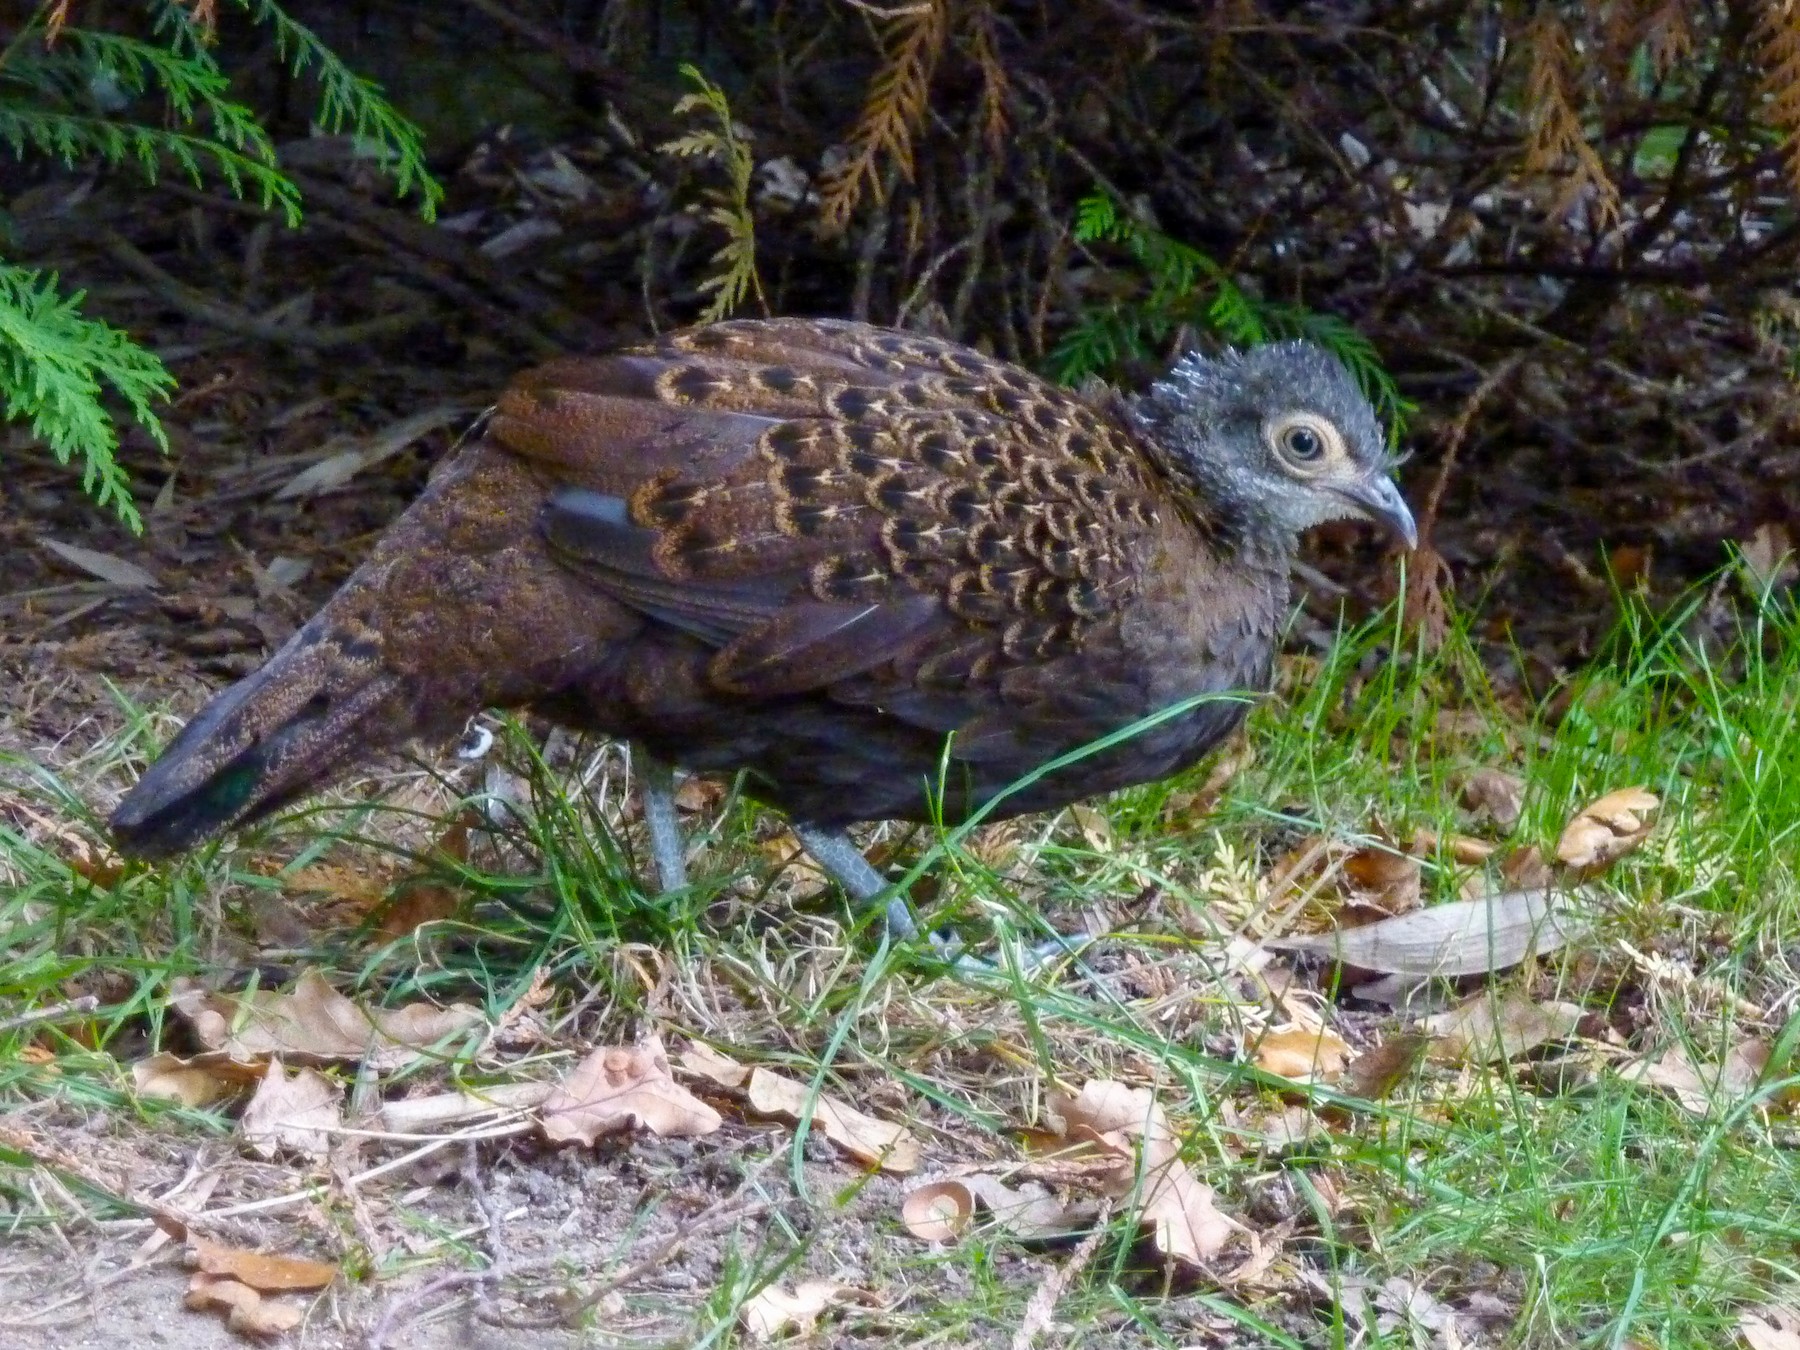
point(55, 364)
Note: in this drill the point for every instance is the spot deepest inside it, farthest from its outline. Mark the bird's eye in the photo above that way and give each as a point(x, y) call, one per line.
point(1304, 441)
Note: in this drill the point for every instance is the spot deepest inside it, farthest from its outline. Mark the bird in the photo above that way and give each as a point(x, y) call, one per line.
point(881, 574)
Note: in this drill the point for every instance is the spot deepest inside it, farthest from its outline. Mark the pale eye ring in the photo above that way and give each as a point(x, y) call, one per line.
point(1306, 442)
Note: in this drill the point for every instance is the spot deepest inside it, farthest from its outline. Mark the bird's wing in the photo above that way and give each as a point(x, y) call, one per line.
point(886, 518)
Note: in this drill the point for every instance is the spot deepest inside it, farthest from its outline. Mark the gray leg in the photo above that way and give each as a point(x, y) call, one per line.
point(666, 847)
point(845, 864)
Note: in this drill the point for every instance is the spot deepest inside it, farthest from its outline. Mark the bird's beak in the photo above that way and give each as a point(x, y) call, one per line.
point(1379, 500)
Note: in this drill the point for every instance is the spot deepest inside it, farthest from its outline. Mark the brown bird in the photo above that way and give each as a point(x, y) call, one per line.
point(886, 575)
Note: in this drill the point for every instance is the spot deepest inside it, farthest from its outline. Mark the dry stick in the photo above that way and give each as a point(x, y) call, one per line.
point(200, 306)
point(1042, 1307)
point(1459, 430)
point(56, 1012)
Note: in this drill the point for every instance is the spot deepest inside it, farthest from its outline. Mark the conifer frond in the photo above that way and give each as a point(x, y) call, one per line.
point(893, 111)
point(1556, 145)
point(728, 145)
point(1778, 35)
point(54, 366)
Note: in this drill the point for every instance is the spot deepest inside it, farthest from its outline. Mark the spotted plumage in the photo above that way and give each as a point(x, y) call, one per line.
point(886, 575)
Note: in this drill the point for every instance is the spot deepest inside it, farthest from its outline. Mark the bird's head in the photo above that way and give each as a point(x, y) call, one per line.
point(1273, 441)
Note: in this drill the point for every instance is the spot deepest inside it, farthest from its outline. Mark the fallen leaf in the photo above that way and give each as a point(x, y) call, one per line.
point(1484, 1029)
point(1174, 1205)
point(1383, 879)
point(1698, 1087)
point(170, 1078)
point(1524, 869)
point(1606, 830)
point(618, 1088)
point(773, 1310)
point(292, 1114)
point(1464, 937)
point(941, 1211)
point(316, 1024)
point(1304, 1054)
point(114, 571)
point(267, 1272)
point(246, 1311)
point(1495, 794)
point(1462, 848)
point(1772, 1328)
point(702, 1061)
point(1375, 1073)
point(890, 1147)
point(1768, 556)
point(336, 470)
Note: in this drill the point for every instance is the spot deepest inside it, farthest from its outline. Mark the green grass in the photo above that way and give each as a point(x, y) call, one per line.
point(1598, 1213)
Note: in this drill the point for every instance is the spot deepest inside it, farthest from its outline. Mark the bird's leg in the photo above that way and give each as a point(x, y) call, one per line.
point(667, 849)
point(845, 864)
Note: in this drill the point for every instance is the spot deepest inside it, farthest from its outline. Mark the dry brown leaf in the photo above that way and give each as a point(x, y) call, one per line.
point(772, 1310)
point(702, 1061)
point(1375, 1073)
point(941, 1211)
point(1175, 1205)
point(890, 1147)
point(267, 1272)
point(295, 1115)
point(1606, 830)
point(1772, 1328)
point(1702, 1088)
point(1463, 849)
point(171, 1078)
point(1464, 937)
point(1496, 795)
point(1304, 1054)
point(1524, 869)
point(113, 570)
point(246, 1312)
point(1483, 1030)
point(316, 1024)
point(1768, 556)
point(617, 1088)
point(1383, 879)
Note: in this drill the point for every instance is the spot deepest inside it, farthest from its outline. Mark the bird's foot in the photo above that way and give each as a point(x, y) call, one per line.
point(667, 849)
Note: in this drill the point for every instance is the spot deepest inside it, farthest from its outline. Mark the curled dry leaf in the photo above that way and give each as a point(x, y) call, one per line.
point(1465, 937)
point(890, 1147)
point(1496, 795)
point(194, 1084)
point(1524, 869)
point(942, 1211)
point(1305, 1054)
point(1484, 1030)
point(618, 1087)
point(292, 1114)
point(773, 1311)
point(1608, 829)
point(315, 1024)
point(246, 1312)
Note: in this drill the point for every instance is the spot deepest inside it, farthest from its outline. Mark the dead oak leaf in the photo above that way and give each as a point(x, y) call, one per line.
point(700, 1060)
point(773, 1311)
point(1772, 1328)
point(618, 1088)
point(1607, 829)
point(876, 1142)
point(315, 1024)
point(943, 1210)
point(1495, 794)
point(294, 1114)
point(192, 1083)
point(1700, 1087)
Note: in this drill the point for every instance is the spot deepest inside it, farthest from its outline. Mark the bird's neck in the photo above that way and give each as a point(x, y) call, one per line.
point(1215, 501)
